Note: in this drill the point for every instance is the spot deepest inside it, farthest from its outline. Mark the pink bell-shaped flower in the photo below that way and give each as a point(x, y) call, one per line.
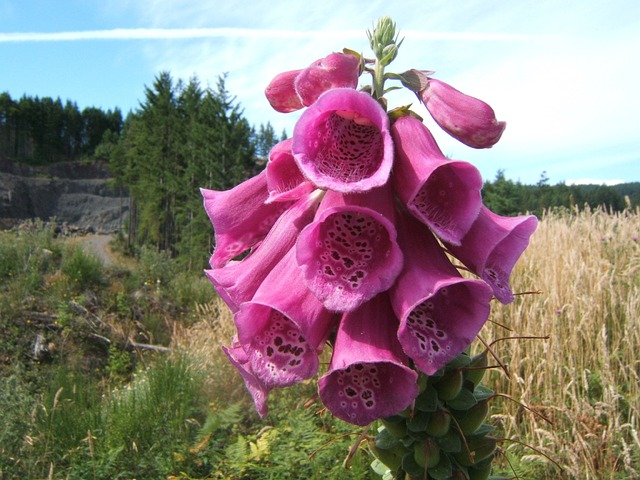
point(492, 247)
point(368, 377)
point(237, 282)
point(240, 217)
point(440, 312)
point(285, 181)
point(337, 70)
point(349, 253)
point(292, 90)
point(283, 327)
point(257, 389)
point(443, 194)
point(342, 142)
point(465, 118)
point(281, 92)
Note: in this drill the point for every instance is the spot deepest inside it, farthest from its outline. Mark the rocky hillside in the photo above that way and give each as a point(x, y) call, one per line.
point(70, 193)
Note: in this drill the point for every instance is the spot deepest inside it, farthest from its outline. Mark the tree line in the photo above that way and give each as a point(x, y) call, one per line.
point(40, 131)
point(507, 197)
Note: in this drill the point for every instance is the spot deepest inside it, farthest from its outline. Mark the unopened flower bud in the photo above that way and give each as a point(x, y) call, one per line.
point(465, 118)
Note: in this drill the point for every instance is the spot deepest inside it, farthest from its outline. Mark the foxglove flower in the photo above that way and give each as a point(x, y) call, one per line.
point(492, 248)
point(292, 90)
point(342, 142)
point(285, 181)
point(443, 194)
point(440, 312)
point(237, 282)
point(283, 327)
point(281, 92)
point(240, 217)
point(465, 118)
point(368, 377)
point(349, 253)
point(337, 70)
point(257, 389)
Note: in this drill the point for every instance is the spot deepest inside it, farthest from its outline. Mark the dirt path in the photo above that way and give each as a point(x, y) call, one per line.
point(98, 245)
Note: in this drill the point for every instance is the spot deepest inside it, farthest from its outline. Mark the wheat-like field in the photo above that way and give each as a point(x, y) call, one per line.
point(573, 392)
point(585, 378)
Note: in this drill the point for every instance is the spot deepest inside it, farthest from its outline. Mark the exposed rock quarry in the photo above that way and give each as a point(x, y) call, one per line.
point(78, 195)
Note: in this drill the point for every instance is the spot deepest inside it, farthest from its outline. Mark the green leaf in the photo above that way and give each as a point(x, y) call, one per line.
point(427, 401)
point(451, 442)
point(481, 392)
point(463, 401)
point(385, 440)
point(443, 470)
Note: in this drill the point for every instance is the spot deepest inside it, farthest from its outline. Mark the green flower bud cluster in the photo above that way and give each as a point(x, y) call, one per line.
point(444, 435)
point(384, 40)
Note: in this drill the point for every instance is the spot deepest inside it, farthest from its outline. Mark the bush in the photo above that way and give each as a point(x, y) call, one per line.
point(83, 270)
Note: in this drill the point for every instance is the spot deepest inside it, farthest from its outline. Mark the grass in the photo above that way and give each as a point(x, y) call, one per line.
point(585, 378)
point(96, 410)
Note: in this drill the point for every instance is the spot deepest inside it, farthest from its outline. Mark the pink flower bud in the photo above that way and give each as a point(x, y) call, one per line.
point(333, 71)
point(465, 118)
point(292, 90)
point(281, 92)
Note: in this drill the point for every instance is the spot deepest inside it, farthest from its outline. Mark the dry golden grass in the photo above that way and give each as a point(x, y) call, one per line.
point(586, 377)
point(202, 343)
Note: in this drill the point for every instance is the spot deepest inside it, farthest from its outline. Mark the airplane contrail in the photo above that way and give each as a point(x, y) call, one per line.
point(194, 33)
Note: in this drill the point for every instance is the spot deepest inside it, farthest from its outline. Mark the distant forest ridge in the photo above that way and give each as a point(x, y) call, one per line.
point(42, 131)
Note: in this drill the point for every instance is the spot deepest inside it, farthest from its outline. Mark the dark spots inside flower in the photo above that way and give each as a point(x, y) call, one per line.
point(440, 334)
point(435, 346)
point(366, 394)
point(350, 392)
point(349, 151)
point(359, 367)
point(369, 404)
point(269, 351)
point(329, 271)
point(277, 341)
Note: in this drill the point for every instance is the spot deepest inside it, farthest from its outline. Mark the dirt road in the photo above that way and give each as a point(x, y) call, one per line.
point(98, 245)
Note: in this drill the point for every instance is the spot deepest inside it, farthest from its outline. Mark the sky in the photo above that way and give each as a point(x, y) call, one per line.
point(563, 74)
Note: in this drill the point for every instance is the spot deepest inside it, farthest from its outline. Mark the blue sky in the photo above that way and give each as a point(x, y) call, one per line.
point(562, 74)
